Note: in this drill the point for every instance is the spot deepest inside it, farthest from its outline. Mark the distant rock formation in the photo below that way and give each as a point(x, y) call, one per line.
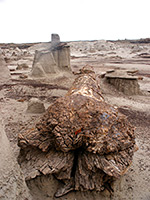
point(43, 64)
point(55, 40)
point(4, 71)
point(51, 61)
point(124, 81)
point(12, 184)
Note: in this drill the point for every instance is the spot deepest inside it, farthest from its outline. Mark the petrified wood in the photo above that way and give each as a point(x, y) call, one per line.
point(80, 139)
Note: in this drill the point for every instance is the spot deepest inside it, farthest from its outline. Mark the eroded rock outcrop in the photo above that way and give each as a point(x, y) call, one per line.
point(52, 61)
point(55, 40)
point(80, 139)
point(124, 81)
point(4, 71)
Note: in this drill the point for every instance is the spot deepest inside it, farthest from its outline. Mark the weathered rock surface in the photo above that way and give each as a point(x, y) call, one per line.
point(4, 71)
point(35, 106)
point(123, 82)
point(55, 40)
point(46, 62)
point(12, 184)
point(22, 66)
point(52, 61)
point(62, 57)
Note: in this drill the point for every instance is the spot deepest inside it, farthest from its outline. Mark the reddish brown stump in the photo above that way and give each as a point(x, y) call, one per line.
point(80, 139)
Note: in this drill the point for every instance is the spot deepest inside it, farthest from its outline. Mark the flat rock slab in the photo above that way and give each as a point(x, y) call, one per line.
point(122, 74)
point(124, 82)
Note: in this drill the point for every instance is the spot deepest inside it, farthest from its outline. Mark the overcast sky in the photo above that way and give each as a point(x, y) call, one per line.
point(35, 20)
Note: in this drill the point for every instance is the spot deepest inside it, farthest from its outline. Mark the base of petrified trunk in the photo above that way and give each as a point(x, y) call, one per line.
point(78, 170)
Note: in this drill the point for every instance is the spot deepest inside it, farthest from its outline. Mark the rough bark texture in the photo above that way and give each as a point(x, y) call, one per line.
point(80, 139)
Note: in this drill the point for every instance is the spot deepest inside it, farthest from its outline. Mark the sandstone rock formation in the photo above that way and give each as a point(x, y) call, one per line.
point(52, 61)
point(80, 139)
point(12, 184)
point(123, 82)
point(43, 64)
point(4, 71)
point(55, 40)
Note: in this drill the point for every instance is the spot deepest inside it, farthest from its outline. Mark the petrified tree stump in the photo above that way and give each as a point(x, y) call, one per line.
point(80, 139)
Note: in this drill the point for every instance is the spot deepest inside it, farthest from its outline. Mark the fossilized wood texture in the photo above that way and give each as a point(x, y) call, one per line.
point(80, 136)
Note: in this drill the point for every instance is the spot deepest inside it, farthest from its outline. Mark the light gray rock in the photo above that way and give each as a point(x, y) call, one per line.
point(53, 61)
point(5, 76)
point(124, 82)
point(55, 40)
point(12, 184)
point(35, 106)
point(43, 64)
point(62, 58)
point(38, 71)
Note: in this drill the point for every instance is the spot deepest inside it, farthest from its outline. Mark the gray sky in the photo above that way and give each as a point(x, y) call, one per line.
point(35, 20)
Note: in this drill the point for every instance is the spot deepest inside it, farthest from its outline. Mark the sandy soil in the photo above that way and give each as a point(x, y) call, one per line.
point(103, 56)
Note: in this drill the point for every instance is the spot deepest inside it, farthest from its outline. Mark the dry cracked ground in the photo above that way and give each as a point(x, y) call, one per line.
point(103, 56)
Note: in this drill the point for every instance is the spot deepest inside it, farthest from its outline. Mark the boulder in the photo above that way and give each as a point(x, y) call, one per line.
point(35, 106)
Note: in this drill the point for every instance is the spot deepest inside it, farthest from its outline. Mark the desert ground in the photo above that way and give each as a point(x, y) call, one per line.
point(103, 56)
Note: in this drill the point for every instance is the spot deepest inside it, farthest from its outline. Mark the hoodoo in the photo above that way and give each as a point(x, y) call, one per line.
point(52, 61)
